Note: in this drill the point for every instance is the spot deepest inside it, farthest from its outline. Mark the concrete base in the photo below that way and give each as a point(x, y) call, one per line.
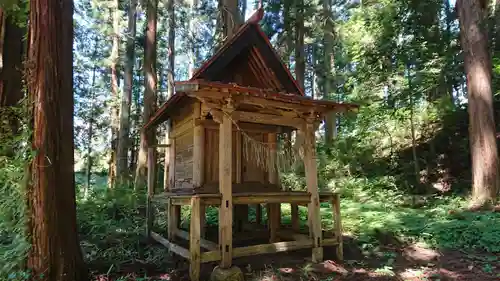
point(230, 274)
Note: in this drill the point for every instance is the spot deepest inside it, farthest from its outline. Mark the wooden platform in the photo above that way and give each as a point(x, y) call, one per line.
point(281, 238)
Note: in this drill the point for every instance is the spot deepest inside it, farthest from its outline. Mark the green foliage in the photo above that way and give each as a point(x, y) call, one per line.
point(111, 224)
point(14, 156)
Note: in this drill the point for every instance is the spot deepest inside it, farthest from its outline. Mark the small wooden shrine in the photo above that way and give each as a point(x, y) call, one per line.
point(226, 150)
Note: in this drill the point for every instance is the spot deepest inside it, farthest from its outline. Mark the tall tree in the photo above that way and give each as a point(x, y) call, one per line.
point(193, 48)
point(115, 12)
point(55, 252)
point(123, 139)
point(91, 121)
point(230, 17)
point(478, 67)
point(170, 81)
point(148, 138)
point(300, 60)
point(328, 68)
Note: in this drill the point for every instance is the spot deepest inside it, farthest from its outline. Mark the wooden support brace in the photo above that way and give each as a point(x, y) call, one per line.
point(171, 246)
point(194, 239)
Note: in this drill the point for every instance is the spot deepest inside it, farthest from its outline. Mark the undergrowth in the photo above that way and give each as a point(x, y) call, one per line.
point(14, 156)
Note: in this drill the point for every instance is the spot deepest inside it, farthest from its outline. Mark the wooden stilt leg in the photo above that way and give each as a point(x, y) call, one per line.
point(194, 239)
point(240, 216)
point(225, 187)
point(258, 214)
point(203, 220)
point(314, 217)
point(173, 213)
point(274, 222)
point(338, 226)
point(295, 217)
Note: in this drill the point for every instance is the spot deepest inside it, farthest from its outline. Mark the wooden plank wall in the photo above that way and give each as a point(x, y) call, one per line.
point(182, 133)
point(212, 155)
point(184, 160)
point(250, 171)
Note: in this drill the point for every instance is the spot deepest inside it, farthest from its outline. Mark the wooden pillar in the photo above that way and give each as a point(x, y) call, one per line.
point(151, 188)
point(295, 217)
point(198, 158)
point(274, 210)
point(314, 216)
point(338, 226)
point(225, 186)
point(171, 170)
point(194, 239)
point(258, 214)
point(240, 211)
point(168, 167)
point(173, 214)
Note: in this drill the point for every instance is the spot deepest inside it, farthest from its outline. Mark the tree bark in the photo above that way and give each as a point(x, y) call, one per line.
point(123, 139)
point(300, 63)
point(230, 17)
point(90, 160)
point(170, 83)
point(55, 252)
point(478, 67)
point(193, 49)
point(148, 138)
point(287, 21)
point(115, 93)
point(329, 68)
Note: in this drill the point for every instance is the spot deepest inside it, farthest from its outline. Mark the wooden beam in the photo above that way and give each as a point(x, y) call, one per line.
point(314, 216)
point(151, 189)
point(225, 187)
point(206, 244)
point(194, 239)
point(247, 127)
point(259, 249)
point(171, 246)
point(159, 146)
point(253, 117)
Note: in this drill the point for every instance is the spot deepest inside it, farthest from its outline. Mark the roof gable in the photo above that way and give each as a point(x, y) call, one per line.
point(248, 59)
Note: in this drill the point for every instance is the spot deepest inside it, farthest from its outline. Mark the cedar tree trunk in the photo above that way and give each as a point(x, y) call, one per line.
point(483, 147)
point(114, 92)
point(55, 252)
point(122, 172)
point(148, 138)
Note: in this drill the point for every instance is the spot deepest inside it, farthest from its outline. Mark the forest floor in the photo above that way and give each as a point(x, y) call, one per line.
point(393, 262)
point(387, 236)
